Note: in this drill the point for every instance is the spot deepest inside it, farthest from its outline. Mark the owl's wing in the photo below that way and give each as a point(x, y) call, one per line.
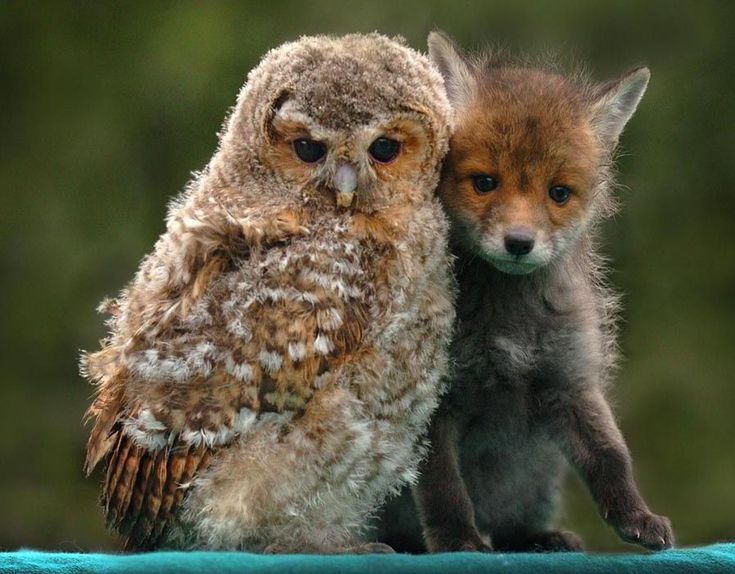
point(154, 457)
point(170, 404)
point(200, 243)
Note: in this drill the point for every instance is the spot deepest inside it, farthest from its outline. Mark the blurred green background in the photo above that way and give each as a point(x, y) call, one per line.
point(105, 109)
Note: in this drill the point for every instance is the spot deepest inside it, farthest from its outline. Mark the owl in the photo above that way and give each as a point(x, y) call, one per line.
point(272, 366)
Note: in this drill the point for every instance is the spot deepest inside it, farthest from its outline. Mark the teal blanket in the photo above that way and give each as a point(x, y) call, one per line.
point(716, 558)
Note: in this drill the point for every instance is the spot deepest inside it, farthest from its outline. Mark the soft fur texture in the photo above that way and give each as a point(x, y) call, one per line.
point(274, 362)
point(535, 339)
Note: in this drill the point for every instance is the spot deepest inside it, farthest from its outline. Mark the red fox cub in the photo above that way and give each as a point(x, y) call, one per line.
point(527, 179)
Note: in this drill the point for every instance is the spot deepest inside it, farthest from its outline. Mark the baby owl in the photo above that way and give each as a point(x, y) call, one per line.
point(274, 362)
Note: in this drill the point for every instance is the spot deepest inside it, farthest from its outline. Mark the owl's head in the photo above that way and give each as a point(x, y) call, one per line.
point(357, 122)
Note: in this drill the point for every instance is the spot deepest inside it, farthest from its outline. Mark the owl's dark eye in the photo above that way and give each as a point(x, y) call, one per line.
point(560, 194)
point(309, 151)
point(484, 183)
point(384, 150)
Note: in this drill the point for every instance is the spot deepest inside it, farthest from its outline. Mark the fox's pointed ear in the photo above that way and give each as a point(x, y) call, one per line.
point(458, 72)
point(616, 102)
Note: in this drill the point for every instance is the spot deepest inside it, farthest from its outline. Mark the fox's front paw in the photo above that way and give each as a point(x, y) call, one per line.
point(646, 529)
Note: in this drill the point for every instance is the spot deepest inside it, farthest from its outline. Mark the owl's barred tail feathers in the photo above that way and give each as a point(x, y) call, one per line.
point(143, 490)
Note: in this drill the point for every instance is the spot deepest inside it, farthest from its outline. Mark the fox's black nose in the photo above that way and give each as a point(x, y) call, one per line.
point(519, 243)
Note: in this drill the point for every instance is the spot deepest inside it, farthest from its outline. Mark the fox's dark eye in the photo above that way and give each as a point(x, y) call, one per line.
point(484, 183)
point(560, 194)
point(309, 151)
point(384, 149)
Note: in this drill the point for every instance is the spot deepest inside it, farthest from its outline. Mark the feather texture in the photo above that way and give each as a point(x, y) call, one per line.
point(274, 362)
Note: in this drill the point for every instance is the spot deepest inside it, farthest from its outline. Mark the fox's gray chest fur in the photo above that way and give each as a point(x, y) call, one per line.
point(531, 356)
point(505, 345)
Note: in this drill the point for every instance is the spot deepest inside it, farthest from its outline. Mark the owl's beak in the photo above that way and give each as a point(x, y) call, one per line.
point(345, 180)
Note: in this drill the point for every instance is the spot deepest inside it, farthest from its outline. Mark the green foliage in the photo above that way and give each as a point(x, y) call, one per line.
point(105, 108)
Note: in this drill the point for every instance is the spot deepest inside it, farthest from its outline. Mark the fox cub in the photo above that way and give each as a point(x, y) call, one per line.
point(527, 178)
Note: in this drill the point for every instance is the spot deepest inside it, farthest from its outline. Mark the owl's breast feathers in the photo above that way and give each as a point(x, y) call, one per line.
point(251, 333)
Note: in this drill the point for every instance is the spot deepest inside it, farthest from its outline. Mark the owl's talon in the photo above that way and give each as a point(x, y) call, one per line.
point(371, 548)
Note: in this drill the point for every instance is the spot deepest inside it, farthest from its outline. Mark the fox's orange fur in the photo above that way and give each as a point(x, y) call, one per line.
point(512, 119)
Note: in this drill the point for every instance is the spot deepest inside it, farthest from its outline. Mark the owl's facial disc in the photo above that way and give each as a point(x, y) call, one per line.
point(345, 182)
